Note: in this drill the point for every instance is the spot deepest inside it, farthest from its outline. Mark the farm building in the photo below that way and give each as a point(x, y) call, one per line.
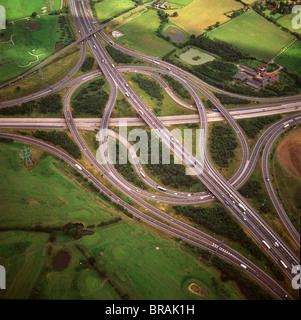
point(241, 77)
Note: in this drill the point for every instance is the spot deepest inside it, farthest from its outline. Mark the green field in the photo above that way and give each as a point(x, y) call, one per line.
point(150, 266)
point(108, 9)
point(140, 262)
point(253, 34)
point(140, 35)
point(17, 57)
point(286, 22)
point(43, 194)
point(17, 9)
point(195, 17)
point(290, 59)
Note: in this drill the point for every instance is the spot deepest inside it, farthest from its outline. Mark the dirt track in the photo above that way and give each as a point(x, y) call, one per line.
point(289, 153)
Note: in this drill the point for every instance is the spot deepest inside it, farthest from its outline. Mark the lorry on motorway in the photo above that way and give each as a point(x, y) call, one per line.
point(127, 94)
point(161, 188)
point(227, 203)
point(243, 266)
point(78, 167)
point(111, 42)
point(143, 175)
point(214, 109)
point(285, 126)
point(285, 266)
point(268, 178)
point(266, 244)
point(141, 112)
point(242, 207)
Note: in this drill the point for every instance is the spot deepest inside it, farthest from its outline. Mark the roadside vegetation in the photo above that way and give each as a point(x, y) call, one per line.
point(222, 145)
point(90, 99)
point(47, 106)
point(61, 139)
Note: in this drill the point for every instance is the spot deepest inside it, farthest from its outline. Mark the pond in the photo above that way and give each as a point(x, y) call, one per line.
point(175, 34)
point(196, 57)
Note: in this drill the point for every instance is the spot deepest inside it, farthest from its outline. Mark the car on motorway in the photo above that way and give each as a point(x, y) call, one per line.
point(94, 47)
point(268, 178)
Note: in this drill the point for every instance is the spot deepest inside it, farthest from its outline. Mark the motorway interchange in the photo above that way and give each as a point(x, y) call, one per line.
point(218, 187)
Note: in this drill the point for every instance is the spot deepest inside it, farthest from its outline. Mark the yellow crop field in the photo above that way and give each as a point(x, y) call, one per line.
point(199, 14)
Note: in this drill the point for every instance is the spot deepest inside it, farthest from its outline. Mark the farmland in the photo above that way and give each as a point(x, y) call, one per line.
point(16, 9)
point(290, 59)
point(195, 17)
point(108, 9)
point(246, 33)
point(140, 35)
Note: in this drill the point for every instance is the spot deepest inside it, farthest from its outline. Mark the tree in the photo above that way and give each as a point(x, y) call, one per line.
point(175, 14)
point(34, 14)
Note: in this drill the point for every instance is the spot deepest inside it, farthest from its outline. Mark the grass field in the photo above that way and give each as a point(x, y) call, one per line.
point(129, 253)
point(17, 57)
point(108, 9)
point(195, 17)
point(286, 22)
point(125, 250)
point(140, 35)
point(17, 9)
point(48, 194)
point(246, 33)
point(290, 59)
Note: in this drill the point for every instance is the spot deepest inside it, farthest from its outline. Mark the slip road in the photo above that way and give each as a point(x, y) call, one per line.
point(160, 309)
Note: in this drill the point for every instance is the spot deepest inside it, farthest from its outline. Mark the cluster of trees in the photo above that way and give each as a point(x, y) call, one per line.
point(218, 220)
point(177, 87)
point(252, 189)
point(253, 126)
point(60, 138)
point(223, 49)
point(49, 104)
point(65, 32)
point(230, 100)
point(151, 87)
point(138, 2)
point(88, 64)
point(172, 174)
point(217, 70)
point(222, 145)
point(118, 56)
point(91, 100)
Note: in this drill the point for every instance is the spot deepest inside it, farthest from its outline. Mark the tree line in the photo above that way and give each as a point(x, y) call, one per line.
point(151, 87)
point(253, 126)
point(119, 56)
point(219, 221)
point(49, 104)
point(60, 138)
